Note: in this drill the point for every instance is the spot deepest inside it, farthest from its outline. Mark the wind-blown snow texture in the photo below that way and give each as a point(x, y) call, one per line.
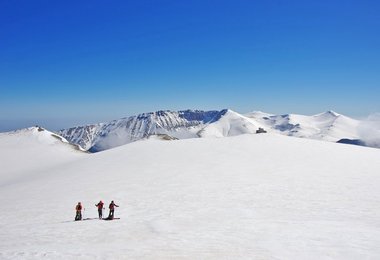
point(263, 196)
point(328, 126)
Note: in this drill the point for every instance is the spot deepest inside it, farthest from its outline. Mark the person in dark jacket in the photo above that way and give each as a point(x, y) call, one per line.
point(78, 209)
point(112, 209)
point(100, 209)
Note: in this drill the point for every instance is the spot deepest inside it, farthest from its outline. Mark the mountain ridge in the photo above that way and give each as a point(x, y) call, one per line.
point(328, 126)
point(178, 124)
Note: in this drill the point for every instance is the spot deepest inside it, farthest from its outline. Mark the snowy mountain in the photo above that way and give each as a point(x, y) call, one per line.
point(31, 149)
point(36, 137)
point(178, 125)
point(328, 126)
point(264, 196)
point(229, 123)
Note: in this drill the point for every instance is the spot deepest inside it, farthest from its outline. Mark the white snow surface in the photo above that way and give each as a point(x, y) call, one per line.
point(177, 124)
point(24, 152)
point(327, 126)
point(229, 124)
point(262, 196)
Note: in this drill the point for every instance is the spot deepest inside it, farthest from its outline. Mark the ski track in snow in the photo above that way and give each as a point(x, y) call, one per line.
point(244, 197)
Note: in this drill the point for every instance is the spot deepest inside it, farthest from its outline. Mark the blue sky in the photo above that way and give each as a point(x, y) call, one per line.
point(66, 63)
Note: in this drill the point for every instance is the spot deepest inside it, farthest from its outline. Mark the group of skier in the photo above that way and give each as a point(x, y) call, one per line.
point(100, 207)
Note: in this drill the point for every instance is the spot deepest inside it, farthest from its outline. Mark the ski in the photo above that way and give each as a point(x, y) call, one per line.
point(85, 219)
point(110, 218)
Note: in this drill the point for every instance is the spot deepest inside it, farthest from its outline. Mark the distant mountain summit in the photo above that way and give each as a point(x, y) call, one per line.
point(37, 135)
point(171, 125)
point(229, 123)
point(328, 126)
point(176, 124)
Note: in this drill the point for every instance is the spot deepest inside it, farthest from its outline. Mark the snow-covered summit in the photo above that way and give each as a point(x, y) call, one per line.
point(177, 124)
point(329, 113)
point(36, 134)
point(327, 126)
point(28, 147)
point(230, 123)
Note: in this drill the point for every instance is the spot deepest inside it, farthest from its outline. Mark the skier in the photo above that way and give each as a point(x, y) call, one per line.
point(78, 209)
point(112, 209)
point(100, 209)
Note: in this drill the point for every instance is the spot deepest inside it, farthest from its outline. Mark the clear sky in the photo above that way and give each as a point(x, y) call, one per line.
point(66, 63)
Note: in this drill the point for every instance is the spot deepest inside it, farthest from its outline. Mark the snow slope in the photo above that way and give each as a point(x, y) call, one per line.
point(243, 197)
point(26, 151)
point(180, 125)
point(230, 123)
point(327, 126)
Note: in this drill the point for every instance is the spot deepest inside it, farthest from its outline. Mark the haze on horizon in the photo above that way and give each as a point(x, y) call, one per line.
point(74, 63)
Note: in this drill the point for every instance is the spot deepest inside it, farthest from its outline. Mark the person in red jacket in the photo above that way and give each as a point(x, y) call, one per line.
point(100, 209)
point(78, 209)
point(112, 209)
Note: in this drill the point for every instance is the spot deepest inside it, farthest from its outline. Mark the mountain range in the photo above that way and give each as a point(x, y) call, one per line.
point(327, 126)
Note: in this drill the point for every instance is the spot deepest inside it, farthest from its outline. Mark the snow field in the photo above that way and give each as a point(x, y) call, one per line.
point(244, 197)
